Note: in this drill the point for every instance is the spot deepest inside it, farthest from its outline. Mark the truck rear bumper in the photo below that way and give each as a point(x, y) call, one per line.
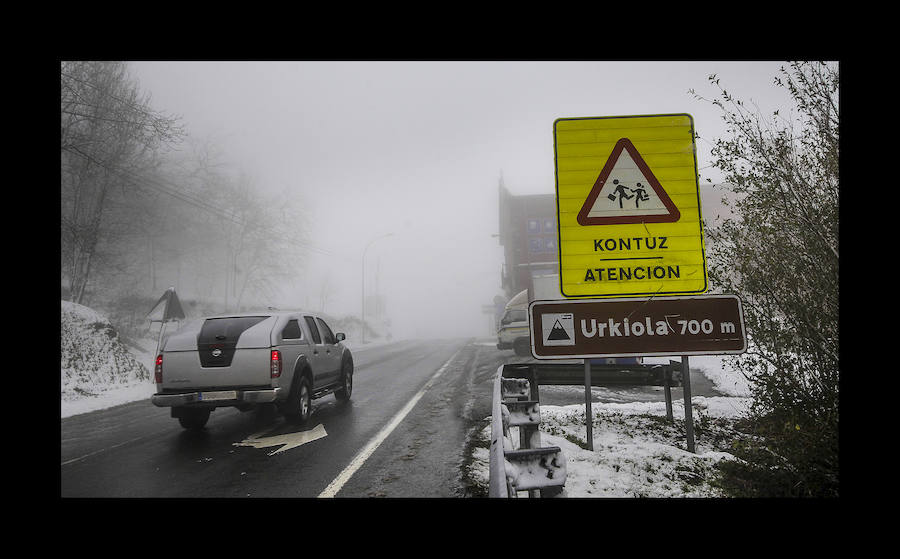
point(215, 398)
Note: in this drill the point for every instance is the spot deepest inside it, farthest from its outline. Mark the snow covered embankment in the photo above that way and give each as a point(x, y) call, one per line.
point(637, 452)
point(94, 362)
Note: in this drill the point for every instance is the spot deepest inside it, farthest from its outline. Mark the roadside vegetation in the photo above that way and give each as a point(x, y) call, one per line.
point(780, 254)
point(144, 205)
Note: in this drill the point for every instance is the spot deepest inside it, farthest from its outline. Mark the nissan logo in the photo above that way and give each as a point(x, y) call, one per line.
point(216, 352)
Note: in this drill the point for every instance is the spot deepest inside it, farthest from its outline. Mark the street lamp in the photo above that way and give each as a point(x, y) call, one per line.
point(364, 283)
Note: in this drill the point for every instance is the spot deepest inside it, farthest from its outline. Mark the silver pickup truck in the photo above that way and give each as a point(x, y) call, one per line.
point(285, 358)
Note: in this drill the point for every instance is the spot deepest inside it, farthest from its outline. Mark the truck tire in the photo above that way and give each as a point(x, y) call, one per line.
point(299, 405)
point(343, 393)
point(194, 419)
point(522, 347)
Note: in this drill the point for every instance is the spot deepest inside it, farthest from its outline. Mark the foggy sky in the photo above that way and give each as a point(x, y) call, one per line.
point(416, 149)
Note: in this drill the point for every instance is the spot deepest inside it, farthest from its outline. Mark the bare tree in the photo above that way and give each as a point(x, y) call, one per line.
point(107, 132)
point(237, 243)
point(267, 243)
point(137, 216)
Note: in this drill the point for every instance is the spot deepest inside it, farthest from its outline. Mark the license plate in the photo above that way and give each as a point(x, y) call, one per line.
point(222, 395)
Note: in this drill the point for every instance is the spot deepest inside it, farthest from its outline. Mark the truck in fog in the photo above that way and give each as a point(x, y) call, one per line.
point(245, 360)
point(513, 332)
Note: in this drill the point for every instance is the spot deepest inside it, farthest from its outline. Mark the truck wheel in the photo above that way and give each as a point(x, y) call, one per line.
point(343, 393)
point(194, 419)
point(299, 407)
point(522, 347)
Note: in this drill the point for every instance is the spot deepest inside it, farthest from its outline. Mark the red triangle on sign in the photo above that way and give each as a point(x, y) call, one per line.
point(669, 213)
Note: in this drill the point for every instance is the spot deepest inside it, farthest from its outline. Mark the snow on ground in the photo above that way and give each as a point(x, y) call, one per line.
point(637, 453)
point(97, 370)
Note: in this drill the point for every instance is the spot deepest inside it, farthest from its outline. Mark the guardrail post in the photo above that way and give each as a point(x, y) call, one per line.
point(539, 470)
point(529, 436)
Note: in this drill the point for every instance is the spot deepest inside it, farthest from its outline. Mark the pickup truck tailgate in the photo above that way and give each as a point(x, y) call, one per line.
point(219, 352)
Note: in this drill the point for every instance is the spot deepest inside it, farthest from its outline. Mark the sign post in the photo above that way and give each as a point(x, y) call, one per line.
point(587, 404)
point(688, 412)
point(668, 389)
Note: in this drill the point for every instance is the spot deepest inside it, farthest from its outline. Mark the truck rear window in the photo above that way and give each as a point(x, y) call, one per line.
point(226, 329)
point(219, 336)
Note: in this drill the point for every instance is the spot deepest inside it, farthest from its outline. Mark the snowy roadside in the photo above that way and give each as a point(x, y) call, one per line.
point(637, 452)
point(98, 369)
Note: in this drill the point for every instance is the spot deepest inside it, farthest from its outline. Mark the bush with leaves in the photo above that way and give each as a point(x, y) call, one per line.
point(779, 253)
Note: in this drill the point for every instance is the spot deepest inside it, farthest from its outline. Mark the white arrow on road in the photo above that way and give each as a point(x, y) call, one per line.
point(289, 440)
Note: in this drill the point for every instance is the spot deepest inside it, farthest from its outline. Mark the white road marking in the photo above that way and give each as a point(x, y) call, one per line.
point(289, 440)
point(364, 454)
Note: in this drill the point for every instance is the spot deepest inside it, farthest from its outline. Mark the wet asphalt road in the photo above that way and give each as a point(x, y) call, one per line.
point(441, 388)
point(138, 450)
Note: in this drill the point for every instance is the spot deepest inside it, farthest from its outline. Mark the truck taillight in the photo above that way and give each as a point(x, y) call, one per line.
point(276, 363)
point(158, 369)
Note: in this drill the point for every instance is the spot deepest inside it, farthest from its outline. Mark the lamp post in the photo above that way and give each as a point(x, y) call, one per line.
point(364, 283)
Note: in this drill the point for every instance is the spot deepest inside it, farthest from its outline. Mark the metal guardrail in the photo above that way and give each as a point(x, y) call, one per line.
point(526, 466)
point(516, 403)
point(498, 484)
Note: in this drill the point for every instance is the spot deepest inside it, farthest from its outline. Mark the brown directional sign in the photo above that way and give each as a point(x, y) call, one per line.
point(587, 328)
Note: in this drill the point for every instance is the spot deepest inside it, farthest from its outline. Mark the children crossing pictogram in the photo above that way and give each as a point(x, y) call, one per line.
point(634, 193)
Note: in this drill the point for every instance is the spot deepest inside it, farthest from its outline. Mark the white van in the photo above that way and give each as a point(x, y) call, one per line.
point(513, 331)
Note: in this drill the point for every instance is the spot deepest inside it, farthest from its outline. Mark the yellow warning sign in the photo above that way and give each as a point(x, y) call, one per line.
point(628, 203)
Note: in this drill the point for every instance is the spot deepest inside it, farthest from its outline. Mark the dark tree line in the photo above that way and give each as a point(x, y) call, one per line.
point(107, 129)
point(144, 206)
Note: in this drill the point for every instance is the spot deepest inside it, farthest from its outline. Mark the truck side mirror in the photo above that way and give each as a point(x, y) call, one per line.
point(340, 336)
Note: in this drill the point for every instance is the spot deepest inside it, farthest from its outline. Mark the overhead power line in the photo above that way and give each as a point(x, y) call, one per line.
point(161, 186)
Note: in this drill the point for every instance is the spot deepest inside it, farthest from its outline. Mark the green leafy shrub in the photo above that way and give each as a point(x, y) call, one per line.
point(780, 253)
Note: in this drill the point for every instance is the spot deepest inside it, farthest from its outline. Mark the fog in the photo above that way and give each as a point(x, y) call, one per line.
point(408, 156)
